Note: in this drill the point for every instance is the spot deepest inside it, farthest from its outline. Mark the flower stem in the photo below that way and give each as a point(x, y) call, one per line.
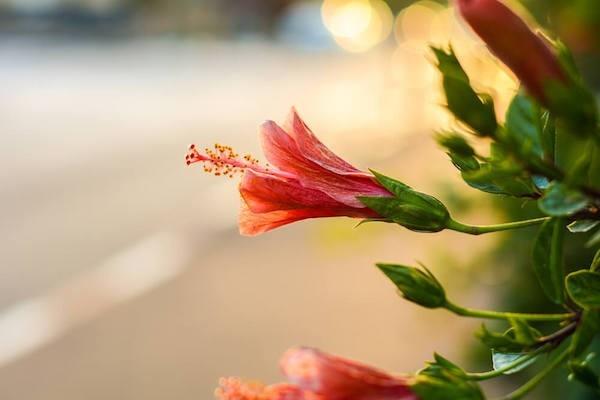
point(529, 386)
point(488, 314)
point(482, 376)
point(481, 229)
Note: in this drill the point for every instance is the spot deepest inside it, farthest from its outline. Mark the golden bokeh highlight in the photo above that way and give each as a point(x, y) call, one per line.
point(357, 25)
point(426, 23)
point(414, 23)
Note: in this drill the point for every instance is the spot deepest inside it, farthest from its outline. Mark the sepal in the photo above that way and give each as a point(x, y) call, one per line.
point(443, 380)
point(414, 210)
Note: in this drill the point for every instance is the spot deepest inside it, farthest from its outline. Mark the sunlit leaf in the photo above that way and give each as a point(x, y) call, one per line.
point(474, 110)
point(501, 360)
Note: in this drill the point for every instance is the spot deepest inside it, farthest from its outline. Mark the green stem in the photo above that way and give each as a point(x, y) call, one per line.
point(529, 386)
point(482, 376)
point(481, 229)
point(487, 314)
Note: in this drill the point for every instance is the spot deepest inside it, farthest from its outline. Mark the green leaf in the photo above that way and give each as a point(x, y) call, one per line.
point(577, 119)
point(500, 180)
point(522, 332)
point(584, 225)
point(460, 151)
point(474, 110)
point(464, 163)
point(561, 200)
point(596, 261)
point(570, 150)
point(548, 259)
point(586, 331)
point(548, 136)
point(571, 100)
point(575, 106)
point(584, 288)
point(594, 240)
point(503, 342)
point(455, 143)
point(578, 173)
point(501, 360)
point(420, 287)
point(524, 126)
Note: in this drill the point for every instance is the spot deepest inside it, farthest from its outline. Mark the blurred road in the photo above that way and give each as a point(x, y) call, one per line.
point(121, 272)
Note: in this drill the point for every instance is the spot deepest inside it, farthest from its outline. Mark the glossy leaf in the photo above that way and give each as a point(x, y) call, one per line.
point(581, 226)
point(561, 200)
point(584, 288)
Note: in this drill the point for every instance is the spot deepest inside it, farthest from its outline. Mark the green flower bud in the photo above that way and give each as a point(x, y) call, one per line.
point(409, 208)
point(418, 286)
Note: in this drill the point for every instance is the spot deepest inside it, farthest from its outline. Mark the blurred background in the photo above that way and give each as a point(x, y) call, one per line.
point(122, 274)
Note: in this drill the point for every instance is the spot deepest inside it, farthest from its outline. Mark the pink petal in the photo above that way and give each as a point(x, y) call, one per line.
point(237, 389)
point(264, 193)
point(252, 224)
point(314, 150)
point(282, 151)
point(335, 378)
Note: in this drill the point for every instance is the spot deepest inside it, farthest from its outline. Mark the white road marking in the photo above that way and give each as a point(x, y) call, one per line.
point(29, 325)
